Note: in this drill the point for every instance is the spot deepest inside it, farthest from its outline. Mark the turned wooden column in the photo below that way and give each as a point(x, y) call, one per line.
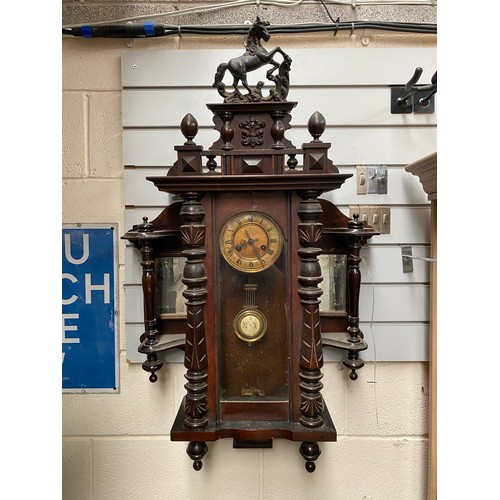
point(150, 336)
point(226, 131)
point(278, 129)
point(353, 288)
point(311, 349)
point(195, 279)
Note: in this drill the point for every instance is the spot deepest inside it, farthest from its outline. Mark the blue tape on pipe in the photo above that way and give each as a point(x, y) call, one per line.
point(149, 29)
point(86, 31)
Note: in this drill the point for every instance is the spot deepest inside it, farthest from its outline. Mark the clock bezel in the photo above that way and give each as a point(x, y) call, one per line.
point(239, 261)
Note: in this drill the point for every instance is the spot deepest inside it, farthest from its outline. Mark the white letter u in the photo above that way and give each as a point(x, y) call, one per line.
point(67, 249)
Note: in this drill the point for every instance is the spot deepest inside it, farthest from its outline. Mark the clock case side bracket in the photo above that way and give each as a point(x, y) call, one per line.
point(342, 235)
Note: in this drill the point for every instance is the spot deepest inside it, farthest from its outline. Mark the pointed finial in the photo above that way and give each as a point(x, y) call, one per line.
point(316, 125)
point(189, 128)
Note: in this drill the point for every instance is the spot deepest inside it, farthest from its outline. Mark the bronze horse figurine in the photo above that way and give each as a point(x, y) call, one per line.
point(255, 57)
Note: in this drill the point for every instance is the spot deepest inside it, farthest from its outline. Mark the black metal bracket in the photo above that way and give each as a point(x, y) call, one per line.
point(414, 98)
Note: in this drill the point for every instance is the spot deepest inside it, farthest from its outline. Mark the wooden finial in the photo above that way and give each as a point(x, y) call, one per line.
point(189, 128)
point(316, 125)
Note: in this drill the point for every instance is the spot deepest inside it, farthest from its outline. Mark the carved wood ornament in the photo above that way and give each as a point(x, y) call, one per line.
point(251, 228)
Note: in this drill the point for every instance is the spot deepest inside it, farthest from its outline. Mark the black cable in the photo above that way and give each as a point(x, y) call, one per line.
point(117, 31)
point(328, 13)
point(156, 30)
point(400, 27)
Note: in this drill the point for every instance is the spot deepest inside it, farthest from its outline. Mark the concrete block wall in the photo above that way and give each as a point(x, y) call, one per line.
point(117, 446)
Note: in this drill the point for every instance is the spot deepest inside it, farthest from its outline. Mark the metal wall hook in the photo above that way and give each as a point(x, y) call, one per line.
point(432, 88)
point(410, 87)
point(406, 100)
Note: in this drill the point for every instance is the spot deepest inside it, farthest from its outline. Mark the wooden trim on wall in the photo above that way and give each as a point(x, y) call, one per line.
point(426, 170)
point(432, 478)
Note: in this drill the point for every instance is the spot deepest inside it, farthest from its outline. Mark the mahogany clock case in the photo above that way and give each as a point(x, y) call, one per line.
point(254, 233)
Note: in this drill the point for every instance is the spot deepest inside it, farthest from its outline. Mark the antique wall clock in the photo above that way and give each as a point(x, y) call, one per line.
point(257, 242)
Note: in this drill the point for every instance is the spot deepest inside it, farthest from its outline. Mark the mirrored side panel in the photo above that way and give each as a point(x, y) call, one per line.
point(169, 286)
point(334, 272)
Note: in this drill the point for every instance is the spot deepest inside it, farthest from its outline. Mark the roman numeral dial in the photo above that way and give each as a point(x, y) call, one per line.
point(251, 241)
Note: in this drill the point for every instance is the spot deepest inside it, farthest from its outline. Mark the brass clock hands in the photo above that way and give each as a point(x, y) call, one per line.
point(251, 242)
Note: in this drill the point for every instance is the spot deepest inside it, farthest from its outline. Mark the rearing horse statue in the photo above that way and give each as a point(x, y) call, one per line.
point(255, 57)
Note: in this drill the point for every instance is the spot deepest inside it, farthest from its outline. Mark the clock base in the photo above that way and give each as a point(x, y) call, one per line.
point(253, 430)
point(256, 432)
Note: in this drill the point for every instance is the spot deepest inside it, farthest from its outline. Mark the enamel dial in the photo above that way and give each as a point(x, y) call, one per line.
point(251, 241)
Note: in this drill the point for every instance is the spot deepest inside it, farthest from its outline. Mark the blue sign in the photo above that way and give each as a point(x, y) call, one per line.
point(89, 340)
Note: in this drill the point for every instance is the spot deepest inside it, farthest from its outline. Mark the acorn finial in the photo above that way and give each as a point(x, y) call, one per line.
point(189, 128)
point(316, 125)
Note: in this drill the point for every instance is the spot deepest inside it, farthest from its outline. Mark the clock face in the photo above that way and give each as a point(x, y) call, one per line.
point(251, 241)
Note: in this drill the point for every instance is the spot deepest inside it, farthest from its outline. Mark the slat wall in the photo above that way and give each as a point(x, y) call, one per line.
point(368, 145)
point(351, 88)
point(365, 111)
point(403, 188)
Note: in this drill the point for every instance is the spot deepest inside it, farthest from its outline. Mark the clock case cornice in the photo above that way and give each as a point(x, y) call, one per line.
point(296, 181)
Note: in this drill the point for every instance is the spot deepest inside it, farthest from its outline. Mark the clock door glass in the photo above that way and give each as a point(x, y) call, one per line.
point(252, 290)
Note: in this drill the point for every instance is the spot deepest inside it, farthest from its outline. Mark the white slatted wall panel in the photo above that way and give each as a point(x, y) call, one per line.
point(351, 88)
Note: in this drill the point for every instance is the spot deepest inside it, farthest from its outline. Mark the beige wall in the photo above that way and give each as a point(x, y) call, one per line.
point(116, 446)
